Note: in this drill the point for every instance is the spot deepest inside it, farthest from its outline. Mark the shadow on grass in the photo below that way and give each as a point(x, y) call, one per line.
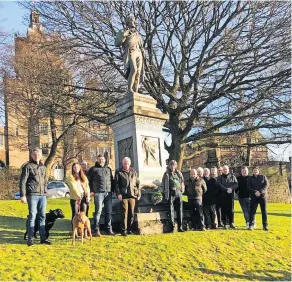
point(270, 213)
point(261, 275)
point(279, 214)
point(11, 237)
point(13, 229)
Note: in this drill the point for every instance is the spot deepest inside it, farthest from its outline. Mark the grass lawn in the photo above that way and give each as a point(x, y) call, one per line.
point(212, 255)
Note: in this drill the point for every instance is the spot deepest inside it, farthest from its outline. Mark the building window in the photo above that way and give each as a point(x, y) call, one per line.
point(103, 133)
point(93, 155)
point(45, 149)
point(108, 149)
point(94, 136)
point(43, 129)
point(101, 151)
point(1, 140)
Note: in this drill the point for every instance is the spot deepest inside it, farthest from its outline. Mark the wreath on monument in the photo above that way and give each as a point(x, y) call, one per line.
point(156, 198)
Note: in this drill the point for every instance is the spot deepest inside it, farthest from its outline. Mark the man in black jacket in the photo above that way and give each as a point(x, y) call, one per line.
point(209, 198)
point(244, 194)
point(219, 201)
point(257, 185)
point(128, 191)
point(100, 180)
point(196, 188)
point(227, 184)
point(33, 188)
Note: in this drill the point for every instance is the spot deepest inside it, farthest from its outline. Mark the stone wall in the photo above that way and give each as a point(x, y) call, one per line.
point(279, 191)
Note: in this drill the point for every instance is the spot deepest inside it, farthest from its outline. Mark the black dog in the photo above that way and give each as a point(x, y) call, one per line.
point(50, 220)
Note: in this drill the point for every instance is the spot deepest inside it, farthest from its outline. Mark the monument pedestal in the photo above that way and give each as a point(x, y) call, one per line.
point(138, 134)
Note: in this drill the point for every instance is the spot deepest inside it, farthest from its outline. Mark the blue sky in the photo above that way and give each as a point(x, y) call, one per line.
point(12, 17)
point(12, 20)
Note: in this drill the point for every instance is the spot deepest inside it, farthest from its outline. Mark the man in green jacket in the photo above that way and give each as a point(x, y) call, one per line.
point(128, 191)
point(173, 188)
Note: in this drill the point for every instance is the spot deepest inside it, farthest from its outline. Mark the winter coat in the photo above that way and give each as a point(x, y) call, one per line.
point(242, 190)
point(196, 188)
point(209, 198)
point(227, 181)
point(127, 183)
point(100, 179)
point(75, 193)
point(165, 182)
point(258, 183)
point(33, 180)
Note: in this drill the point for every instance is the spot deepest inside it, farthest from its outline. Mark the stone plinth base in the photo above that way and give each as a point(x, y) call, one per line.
point(149, 219)
point(158, 222)
point(138, 134)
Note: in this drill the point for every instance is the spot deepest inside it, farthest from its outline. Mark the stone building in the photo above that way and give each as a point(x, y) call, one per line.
point(21, 133)
point(230, 153)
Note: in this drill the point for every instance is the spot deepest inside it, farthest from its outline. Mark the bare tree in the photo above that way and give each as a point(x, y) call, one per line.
point(36, 94)
point(211, 65)
point(5, 52)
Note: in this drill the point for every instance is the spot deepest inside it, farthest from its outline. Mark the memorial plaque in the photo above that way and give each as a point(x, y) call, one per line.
point(151, 151)
point(125, 149)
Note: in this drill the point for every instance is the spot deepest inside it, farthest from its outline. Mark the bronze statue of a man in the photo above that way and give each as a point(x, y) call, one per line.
point(133, 53)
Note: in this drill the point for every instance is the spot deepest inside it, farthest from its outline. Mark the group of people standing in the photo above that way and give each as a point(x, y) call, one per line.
point(97, 182)
point(100, 183)
point(211, 196)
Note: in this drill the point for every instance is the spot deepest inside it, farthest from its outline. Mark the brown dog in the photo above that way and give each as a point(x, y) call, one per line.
point(81, 223)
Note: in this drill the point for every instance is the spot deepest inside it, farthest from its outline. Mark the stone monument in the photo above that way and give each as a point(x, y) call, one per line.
point(138, 132)
point(133, 54)
point(138, 124)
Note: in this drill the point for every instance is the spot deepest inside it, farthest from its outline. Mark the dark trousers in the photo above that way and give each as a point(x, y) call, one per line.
point(176, 204)
point(245, 206)
point(127, 213)
point(228, 209)
point(197, 214)
point(36, 205)
point(104, 199)
point(219, 213)
point(253, 209)
point(83, 206)
point(210, 215)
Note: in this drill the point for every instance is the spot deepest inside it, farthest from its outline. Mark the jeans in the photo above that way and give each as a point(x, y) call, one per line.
point(245, 206)
point(210, 215)
point(128, 207)
point(228, 209)
point(176, 203)
point(197, 214)
point(106, 199)
point(37, 205)
point(253, 209)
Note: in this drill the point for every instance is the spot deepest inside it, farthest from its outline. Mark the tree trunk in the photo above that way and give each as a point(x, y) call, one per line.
point(50, 159)
point(55, 142)
point(248, 156)
point(176, 151)
point(65, 171)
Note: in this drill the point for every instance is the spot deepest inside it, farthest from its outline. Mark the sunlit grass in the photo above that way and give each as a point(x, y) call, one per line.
point(211, 255)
